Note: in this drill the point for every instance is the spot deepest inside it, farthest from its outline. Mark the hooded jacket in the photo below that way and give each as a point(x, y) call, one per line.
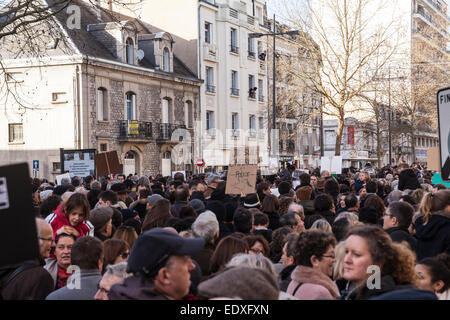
point(408, 180)
point(135, 288)
point(399, 234)
point(57, 220)
point(434, 237)
point(315, 285)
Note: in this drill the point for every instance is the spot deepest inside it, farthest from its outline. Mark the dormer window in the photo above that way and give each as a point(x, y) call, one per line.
point(166, 60)
point(130, 51)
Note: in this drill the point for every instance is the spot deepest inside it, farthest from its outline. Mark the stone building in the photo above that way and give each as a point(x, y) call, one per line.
point(113, 83)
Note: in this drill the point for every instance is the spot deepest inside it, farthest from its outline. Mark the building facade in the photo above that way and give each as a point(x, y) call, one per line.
point(114, 84)
point(234, 95)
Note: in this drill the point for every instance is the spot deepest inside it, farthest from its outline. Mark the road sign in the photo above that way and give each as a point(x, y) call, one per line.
point(36, 164)
point(443, 106)
point(200, 162)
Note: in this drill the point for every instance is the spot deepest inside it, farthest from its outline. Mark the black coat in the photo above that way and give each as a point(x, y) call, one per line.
point(398, 234)
point(274, 220)
point(434, 237)
point(408, 180)
point(31, 284)
point(387, 284)
point(285, 277)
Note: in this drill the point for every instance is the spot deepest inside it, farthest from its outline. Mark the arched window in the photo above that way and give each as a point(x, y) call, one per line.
point(131, 106)
point(102, 105)
point(130, 51)
point(166, 60)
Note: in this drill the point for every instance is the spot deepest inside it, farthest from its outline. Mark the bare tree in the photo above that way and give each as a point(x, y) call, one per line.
point(354, 47)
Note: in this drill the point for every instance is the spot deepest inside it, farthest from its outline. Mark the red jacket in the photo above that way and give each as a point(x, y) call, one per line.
point(57, 220)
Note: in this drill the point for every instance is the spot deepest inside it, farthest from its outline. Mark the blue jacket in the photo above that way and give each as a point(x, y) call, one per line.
point(434, 237)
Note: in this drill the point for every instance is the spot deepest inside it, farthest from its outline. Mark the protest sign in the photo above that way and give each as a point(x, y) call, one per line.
point(17, 220)
point(62, 176)
point(107, 163)
point(332, 164)
point(433, 159)
point(79, 163)
point(241, 179)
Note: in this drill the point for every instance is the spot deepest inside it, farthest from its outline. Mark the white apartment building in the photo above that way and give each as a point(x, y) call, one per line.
point(214, 34)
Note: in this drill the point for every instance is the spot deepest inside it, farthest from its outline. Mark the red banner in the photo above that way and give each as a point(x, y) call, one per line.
point(350, 135)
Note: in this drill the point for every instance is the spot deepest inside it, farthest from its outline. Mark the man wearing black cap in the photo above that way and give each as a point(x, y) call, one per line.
point(160, 261)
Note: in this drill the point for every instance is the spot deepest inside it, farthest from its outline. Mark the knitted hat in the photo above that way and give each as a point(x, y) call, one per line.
point(198, 205)
point(253, 284)
point(45, 194)
point(153, 198)
point(100, 217)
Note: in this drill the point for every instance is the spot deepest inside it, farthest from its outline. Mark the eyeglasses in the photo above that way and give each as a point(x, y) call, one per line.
point(257, 251)
point(49, 239)
point(125, 255)
point(332, 256)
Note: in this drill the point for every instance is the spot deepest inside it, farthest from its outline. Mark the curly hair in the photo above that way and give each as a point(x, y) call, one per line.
point(312, 243)
point(396, 259)
point(285, 202)
point(278, 241)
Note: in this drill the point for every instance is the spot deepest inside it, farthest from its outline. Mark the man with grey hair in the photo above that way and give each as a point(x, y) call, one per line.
point(394, 196)
point(96, 185)
point(297, 208)
point(206, 226)
point(66, 181)
point(114, 274)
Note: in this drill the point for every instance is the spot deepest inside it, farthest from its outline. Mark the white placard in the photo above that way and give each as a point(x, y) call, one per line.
point(332, 164)
point(183, 172)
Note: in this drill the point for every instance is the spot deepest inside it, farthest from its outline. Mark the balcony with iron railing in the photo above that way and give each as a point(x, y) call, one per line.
point(165, 130)
point(135, 130)
point(210, 88)
point(252, 94)
point(261, 98)
point(251, 55)
point(234, 91)
point(234, 49)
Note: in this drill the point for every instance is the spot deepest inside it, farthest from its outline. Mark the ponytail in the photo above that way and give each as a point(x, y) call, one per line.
point(425, 206)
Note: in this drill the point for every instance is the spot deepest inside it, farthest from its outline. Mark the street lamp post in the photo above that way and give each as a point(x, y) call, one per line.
point(273, 34)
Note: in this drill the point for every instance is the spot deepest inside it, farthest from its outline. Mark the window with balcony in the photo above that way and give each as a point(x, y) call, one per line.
point(252, 126)
point(131, 106)
point(102, 105)
point(234, 83)
point(15, 133)
point(235, 123)
point(210, 80)
point(251, 87)
point(260, 90)
point(251, 48)
point(208, 32)
point(210, 126)
point(234, 41)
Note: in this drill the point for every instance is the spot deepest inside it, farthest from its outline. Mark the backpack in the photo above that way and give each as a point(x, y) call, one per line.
point(8, 275)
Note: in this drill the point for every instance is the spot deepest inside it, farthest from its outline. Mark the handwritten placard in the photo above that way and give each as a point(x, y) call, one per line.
point(241, 179)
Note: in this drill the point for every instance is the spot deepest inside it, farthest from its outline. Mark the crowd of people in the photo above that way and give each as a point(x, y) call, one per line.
point(309, 235)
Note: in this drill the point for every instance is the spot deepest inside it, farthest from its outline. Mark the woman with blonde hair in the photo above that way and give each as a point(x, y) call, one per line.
point(126, 233)
point(322, 225)
point(374, 265)
point(432, 224)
